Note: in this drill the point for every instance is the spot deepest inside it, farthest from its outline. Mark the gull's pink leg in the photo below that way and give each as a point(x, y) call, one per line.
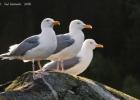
point(33, 68)
point(39, 73)
point(62, 66)
point(57, 66)
point(39, 64)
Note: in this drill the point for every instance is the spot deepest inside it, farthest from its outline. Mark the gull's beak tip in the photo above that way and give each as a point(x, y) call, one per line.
point(88, 26)
point(56, 23)
point(99, 46)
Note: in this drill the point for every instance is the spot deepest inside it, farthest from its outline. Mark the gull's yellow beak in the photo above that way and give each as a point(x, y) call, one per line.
point(88, 26)
point(56, 23)
point(99, 46)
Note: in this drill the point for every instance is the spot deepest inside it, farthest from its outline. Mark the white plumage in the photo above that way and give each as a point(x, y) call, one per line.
point(69, 44)
point(36, 47)
point(79, 63)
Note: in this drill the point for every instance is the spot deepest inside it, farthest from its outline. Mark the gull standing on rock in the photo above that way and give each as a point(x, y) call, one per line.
point(69, 44)
point(79, 63)
point(36, 47)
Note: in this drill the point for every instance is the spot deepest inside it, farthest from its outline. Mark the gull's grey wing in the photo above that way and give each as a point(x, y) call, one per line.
point(71, 62)
point(63, 41)
point(26, 45)
point(67, 64)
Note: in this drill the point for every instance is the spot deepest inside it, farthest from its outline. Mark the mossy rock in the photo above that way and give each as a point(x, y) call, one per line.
point(66, 87)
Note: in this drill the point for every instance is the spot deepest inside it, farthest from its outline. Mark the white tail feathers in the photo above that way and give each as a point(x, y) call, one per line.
point(13, 47)
point(26, 61)
point(7, 55)
point(4, 55)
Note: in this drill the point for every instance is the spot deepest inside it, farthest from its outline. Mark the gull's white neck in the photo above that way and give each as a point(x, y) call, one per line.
point(85, 53)
point(47, 30)
point(75, 30)
point(48, 34)
point(77, 34)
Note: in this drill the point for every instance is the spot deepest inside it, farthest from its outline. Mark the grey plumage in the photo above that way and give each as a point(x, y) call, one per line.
point(26, 45)
point(63, 41)
point(67, 63)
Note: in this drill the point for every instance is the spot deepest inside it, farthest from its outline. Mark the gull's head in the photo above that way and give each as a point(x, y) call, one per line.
point(78, 25)
point(49, 22)
point(91, 44)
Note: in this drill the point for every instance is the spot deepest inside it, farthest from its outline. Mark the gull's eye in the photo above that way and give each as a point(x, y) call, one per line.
point(78, 23)
point(47, 20)
point(90, 42)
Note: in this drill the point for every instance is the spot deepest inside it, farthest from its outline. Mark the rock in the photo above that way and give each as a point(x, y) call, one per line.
point(60, 86)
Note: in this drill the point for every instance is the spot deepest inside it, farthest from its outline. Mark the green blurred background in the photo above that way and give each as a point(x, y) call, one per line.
point(116, 25)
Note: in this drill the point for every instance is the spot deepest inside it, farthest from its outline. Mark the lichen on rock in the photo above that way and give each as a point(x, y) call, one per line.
point(66, 86)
